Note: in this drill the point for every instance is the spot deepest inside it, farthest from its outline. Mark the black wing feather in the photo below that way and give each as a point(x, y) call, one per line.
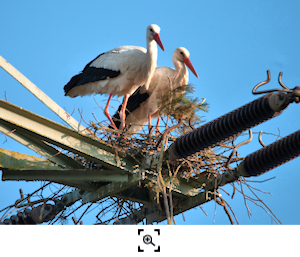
point(90, 74)
point(134, 102)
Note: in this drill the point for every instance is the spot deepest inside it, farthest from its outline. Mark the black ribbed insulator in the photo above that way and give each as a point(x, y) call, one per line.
point(21, 218)
point(27, 217)
point(14, 220)
point(273, 155)
point(223, 128)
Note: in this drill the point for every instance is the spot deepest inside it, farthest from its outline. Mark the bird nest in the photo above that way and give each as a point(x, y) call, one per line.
point(179, 114)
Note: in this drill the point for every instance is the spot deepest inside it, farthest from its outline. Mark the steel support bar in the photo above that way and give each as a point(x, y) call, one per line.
point(187, 204)
point(110, 189)
point(42, 96)
point(17, 166)
point(61, 176)
point(15, 118)
point(40, 147)
point(93, 196)
point(19, 161)
point(11, 162)
point(183, 187)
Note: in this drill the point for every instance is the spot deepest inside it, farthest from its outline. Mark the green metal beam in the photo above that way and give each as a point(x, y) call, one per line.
point(13, 117)
point(63, 175)
point(15, 160)
point(40, 147)
point(17, 166)
point(110, 189)
point(182, 188)
point(187, 203)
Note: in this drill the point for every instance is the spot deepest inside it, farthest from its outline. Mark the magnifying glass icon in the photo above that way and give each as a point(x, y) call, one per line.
point(147, 239)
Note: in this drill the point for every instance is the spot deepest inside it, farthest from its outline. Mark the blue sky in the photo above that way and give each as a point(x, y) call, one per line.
point(232, 45)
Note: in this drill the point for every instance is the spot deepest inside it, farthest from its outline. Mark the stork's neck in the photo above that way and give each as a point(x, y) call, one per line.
point(151, 51)
point(151, 60)
point(181, 73)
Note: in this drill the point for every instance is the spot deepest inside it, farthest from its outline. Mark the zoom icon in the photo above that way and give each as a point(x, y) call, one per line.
point(147, 240)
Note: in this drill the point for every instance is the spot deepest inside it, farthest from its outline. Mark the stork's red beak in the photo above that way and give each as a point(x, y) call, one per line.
point(190, 65)
point(158, 41)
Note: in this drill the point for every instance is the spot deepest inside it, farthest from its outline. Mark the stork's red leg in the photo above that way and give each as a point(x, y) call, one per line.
point(157, 125)
point(122, 112)
point(149, 123)
point(107, 113)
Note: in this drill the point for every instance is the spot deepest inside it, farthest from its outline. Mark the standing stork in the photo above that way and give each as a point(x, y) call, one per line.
point(119, 71)
point(144, 106)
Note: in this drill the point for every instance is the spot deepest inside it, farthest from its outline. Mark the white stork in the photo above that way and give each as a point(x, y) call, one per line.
point(119, 71)
point(142, 107)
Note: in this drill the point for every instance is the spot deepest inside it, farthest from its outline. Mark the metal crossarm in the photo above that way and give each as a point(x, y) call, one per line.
point(40, 147)
point(18, 166)
point(35, 127)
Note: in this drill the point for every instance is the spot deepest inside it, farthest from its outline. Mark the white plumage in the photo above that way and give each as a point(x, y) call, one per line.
point(119, 71)
point(142, 112)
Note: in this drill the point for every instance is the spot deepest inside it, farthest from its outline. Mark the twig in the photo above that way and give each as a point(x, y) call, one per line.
point(167, 131)
point(263, 203)
point(260, 139)
point(259, 190)
point(233, 193)
point(224, 191)
point(84, 212)
point(225, 209)
point(215, 213)
point(74, 220)
point(203, 210)
point(249, 212)
point(238, 146)
point(6, 134)
point(81, 117)
point(230, 209)
point(253, 181)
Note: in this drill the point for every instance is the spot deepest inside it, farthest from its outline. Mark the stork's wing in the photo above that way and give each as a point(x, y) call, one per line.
point(107, 65)
point(119, 59)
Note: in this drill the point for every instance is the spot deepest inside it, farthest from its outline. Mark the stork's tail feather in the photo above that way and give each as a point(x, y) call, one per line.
point(72, 83)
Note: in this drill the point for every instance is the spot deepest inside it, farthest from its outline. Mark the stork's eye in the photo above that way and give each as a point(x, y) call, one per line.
point(151, 30)
point(182, 53)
